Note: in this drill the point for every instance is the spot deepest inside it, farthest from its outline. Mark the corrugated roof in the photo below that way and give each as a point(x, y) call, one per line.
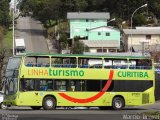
point(102, 43)
point(142, 31)
point(88, 15)
point(105, 27)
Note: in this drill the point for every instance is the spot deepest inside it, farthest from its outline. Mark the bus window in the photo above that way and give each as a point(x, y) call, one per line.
point(103, 83)
point(115, 63)
point(45, 85)
point(27, 85)
point(140, 64)
point(38, 61)
point(61, 85)
point(146, 64)
point(65, 62)
point(119, 64)
point(131, 86)
point(77, 85)
point(132, 64)
point(93, 85)
point(90, 62)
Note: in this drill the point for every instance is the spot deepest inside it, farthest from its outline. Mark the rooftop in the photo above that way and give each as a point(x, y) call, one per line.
point(88, 15)
point(102, 43)
point(107, 27)
point(140, 31)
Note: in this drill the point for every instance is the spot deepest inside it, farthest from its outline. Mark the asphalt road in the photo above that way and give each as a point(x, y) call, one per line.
point(32, 32)
point(129, 113)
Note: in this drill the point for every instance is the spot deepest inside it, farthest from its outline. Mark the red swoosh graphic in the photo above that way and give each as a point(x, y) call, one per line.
point(98, 95)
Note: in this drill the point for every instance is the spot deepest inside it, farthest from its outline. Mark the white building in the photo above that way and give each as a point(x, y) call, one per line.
point(142, 38)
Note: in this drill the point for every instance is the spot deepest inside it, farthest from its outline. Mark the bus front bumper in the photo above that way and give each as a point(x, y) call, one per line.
point(10, 100)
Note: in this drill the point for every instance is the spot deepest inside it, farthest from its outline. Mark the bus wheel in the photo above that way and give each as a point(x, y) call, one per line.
point(49, 103)
point(118, 103)
point(36, 107)
point(3, 106)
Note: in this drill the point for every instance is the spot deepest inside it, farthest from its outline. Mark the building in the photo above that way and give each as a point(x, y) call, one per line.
point(92, 28)
point(142, 39)
point(103, 39)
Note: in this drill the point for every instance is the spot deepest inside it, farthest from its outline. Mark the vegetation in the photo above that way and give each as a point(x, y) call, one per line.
point(53, 12)
point(48, 10)
point(5, 21)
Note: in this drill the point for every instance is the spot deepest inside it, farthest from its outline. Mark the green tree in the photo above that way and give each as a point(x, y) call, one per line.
point(139, 20)
point(78, 48)
point(4, 13)
point(81, 5)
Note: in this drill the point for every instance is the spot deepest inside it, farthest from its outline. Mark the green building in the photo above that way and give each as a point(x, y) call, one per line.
point(92, 28)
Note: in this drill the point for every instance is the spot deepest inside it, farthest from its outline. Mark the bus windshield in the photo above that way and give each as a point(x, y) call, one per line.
point(13, 63)
point(11, 75)
point(11, 86)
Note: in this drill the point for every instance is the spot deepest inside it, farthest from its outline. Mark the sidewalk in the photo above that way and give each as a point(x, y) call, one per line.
point(51, 46)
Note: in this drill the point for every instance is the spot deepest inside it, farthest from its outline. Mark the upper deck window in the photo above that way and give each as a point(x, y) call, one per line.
point(115, 63)
point(89, 62)
point(140, 64)
point(65, 62)
point(37, 61)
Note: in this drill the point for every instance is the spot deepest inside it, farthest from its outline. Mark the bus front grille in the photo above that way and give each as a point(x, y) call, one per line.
point(145, 98)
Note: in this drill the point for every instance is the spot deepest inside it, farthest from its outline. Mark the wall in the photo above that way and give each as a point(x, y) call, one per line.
point(114, 35)
point(78, 27)
point(137, 39)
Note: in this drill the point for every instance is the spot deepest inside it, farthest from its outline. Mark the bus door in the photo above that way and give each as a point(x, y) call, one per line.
point(28, 95)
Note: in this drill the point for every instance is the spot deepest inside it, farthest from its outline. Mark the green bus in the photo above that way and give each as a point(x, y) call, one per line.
point(53, 80)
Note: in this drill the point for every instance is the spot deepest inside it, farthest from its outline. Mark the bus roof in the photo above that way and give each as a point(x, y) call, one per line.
point(110, 55)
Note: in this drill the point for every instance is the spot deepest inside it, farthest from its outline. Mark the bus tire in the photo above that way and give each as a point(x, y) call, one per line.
point(3, 106)
point(118, 103)
point(36, 107)
point(49, 103)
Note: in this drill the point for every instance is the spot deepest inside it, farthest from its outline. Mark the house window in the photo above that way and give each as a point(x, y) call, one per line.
point(112, 50)
point(99, 33)
point(107, 34)
point(148, 36)
point(101, 50)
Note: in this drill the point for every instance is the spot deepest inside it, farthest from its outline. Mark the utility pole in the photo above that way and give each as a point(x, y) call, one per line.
point(13, 11)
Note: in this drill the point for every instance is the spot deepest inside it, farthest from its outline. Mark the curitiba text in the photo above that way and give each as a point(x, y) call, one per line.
point(132, 74)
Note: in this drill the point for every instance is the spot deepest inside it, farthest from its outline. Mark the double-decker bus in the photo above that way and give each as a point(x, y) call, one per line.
point(52, 80)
